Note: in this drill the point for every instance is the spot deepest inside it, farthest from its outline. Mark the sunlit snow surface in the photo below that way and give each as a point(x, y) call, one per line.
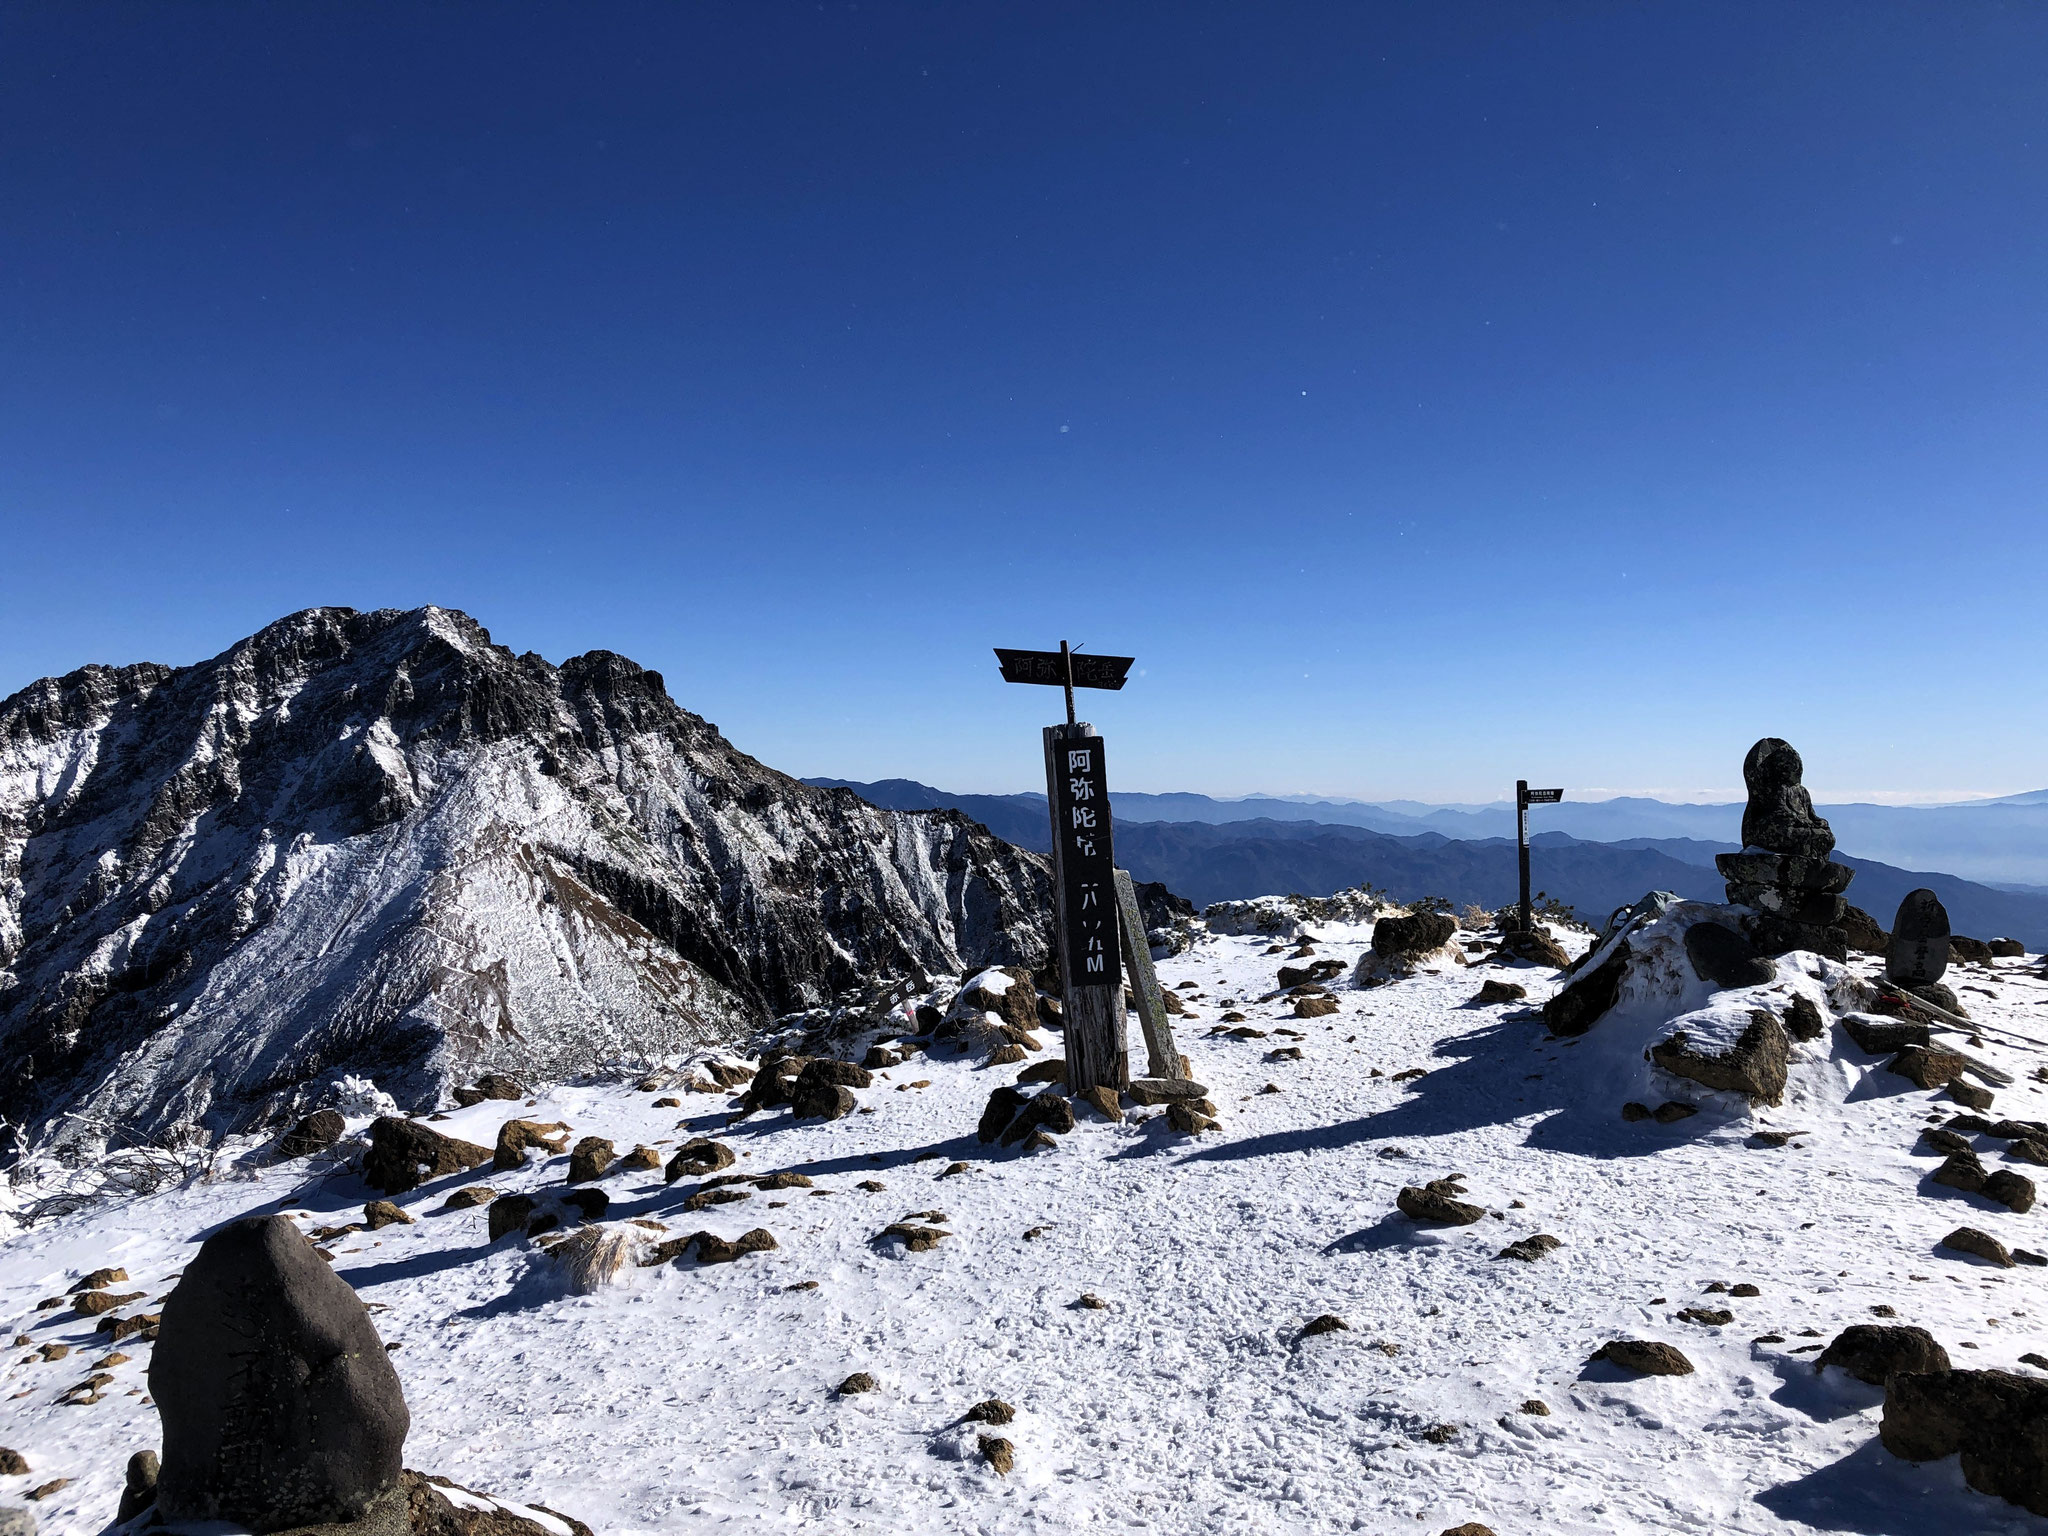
point(690, 1398)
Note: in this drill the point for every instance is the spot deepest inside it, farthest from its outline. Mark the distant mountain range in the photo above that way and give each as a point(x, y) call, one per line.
point(1292, 847)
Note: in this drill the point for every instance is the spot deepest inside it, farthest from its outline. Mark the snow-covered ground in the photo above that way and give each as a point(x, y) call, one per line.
point(687, 1397)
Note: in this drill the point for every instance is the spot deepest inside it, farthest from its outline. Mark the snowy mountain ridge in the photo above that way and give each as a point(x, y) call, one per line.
point(379, 843)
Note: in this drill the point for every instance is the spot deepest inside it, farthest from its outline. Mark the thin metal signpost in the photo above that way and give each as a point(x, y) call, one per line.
point(1524, 798)
point(1088, 923)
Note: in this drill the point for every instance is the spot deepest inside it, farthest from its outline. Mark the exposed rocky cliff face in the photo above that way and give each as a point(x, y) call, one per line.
point(378, 843)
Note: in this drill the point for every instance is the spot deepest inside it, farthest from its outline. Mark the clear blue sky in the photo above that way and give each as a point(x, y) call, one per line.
point(1426, 394)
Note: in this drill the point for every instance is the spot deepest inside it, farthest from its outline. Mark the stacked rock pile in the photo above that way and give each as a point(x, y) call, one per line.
point(1783, 872)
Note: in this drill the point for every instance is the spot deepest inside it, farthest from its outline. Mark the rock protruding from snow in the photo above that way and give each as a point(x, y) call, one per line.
point(1754, 1066)
point(377, 843)
point(1997, 1421)
point(279, 1405)
point(405, 1154)
point(1783, 873)
point(1875, 1352)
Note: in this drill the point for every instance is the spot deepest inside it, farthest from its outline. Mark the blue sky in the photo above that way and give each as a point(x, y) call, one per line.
point(1426, 395)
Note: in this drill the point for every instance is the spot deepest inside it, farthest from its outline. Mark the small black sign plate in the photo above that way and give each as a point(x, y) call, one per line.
point(1087, 861)
point(1544, 796)
point(1046, 667)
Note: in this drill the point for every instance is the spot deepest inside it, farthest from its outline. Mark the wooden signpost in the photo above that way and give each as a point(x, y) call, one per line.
point(1524, 798)
point(1095, 920)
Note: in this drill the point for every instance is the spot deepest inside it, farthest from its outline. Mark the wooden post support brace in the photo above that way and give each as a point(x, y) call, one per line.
point(1162, 1056)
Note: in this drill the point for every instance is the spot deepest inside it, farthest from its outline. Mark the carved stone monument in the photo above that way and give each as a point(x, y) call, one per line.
point(1783, 872)
point(1919, 949)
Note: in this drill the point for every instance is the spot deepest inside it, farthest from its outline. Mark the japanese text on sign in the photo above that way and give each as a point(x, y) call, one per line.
point(1087, 863)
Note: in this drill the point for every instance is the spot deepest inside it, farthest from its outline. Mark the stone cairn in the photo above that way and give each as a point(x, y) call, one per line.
point(1783, 872)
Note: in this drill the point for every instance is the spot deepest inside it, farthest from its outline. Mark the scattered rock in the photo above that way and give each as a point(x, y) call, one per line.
point(705, 1199)
point(642, 1159)
point(278, 1401)
point(1578, 1005)
point(713, 1249)
point(592, 1158)
point(1529, 1249)
point(1434, 1204)
point(1091, 1302)
point(1982, 1244)
point(1673, 1110)
point(914, 1238)
point(1186, 1119)
point(1968, 1094)
point(824, 1089)
point(379, 1214)
point(2012, 1190)
point(1052, 1071)
point(1803, 1020)
point(1744, 1289)
point(1000, 1454)
point(1927, 1067)
point(1538, 1407)
point(509, 1214)
point(1500, 992)
point(1645, 1358)
point(405, 1154)
point(516, 1138)
point(316, 1133)
point(492, 1085)
point(991, 1410)
point(1875, 1353)
point(954, 1170)
point(1285, 1053)
point(474, 1195)
point(1707, 1317)
point(2025, 1150)
point(1473, 1527)
point(99, 1280)
point(1440, 1434)
point(785, 1179)
point(1314, 1007)
point(1103, 1100)
point(1633, 1111)
point(93, 1303)
point(55, 1485)
point(1007, 1054)
point(1997, 1420)
point(1164, 1090)
point(1419, 933)
point(1533, 946)
point(1327, 1323)
point(697, 1157)
point(880, 1058)
point(859, 1381)
point(2007, 949)
point(1960, 1170)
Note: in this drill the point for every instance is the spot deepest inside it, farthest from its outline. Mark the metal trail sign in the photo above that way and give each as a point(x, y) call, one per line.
point(1524, 798)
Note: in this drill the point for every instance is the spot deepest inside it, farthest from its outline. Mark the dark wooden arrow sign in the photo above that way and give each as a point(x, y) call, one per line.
point(1050, 667)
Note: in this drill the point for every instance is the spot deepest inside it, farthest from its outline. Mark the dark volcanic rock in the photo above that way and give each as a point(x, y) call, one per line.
point(316, 1133)
point(590, 1160)
point(405, 1154)
point(1996, 1420)
point(1403, 938)
point(1435, 1206)
point(1875, 1353)
point(1880, 1037)
point(1929, 1068)
point(1725, 957)
point(1863, 933)
point(1578, 1005)
point(157, 814)
point(279, 1405)
point(1646, 1358)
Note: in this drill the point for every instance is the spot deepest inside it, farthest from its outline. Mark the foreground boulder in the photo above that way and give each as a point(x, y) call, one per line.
point(405, 1154)
point(1645, 1357)
point(279, 1406)
point(1996, 1421)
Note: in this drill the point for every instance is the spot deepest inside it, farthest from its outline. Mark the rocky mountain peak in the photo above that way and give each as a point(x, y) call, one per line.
point(381, 843)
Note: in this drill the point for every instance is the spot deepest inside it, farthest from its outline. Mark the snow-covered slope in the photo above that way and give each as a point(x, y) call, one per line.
point(690, 1397)
point(378, 843)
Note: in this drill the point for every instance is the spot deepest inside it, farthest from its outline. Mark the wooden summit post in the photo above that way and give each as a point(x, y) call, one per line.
point(1086, 919)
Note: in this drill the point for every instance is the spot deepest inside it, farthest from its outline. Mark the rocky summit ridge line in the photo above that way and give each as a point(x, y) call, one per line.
point(377, 843)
